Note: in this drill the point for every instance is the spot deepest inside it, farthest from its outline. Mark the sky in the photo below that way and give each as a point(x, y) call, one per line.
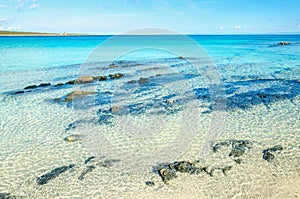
point(183, 16)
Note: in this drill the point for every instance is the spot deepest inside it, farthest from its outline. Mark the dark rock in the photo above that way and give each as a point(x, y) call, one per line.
point(89, 159)
point(71, 82)
point(100, 78)
point(108, 162)
point(73, 138)
point(185, 167)
point(31, 87)
point(283, 43)
point(142, 81)
point(168, 171)
point(268, 156)
point(219, 145)
point(117, 75)
point(59, 84)
point(238, 147)
point(131, 82)
point(44, 179)
point(237, 151)
point(180, 57)
point(149, 183)
point(44, 84)
point(238, 161)
point(90, 168)
point(275, 148)
point(57, 99)
point(225, 169)
point(19, 92)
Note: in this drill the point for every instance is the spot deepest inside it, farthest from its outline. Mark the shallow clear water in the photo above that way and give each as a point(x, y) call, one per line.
point(234, 87)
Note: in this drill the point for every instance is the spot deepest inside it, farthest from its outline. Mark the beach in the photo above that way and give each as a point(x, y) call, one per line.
point(150, 117)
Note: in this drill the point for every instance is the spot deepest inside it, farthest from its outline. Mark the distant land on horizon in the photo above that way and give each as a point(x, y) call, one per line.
point(28, 33)
point(32, 33)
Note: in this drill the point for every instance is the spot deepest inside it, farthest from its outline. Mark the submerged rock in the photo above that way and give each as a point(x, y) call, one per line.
point(142, 81)
point(238, 147)
point(131, 81)
point(89, 169)
point(77, 94)
point(73, 138)
point(89, 159)
point(267, 155)
point(44, 179)
point(167, 172)
point(149, 183)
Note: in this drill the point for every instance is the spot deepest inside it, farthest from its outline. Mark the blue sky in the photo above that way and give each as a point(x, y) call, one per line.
point(184, 16)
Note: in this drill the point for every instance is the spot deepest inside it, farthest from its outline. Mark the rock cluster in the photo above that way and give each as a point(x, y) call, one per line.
point(79, 80)
point(44, 179)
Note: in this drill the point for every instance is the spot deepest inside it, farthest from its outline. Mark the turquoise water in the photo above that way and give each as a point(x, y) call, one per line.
point(164, 108)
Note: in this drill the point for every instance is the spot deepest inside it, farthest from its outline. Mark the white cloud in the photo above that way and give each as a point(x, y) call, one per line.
point(26, 4)
point(221, 28)
point(3, 6)
point(237, 27)
point(1, 28)
point(3, 20)
point(33, 6)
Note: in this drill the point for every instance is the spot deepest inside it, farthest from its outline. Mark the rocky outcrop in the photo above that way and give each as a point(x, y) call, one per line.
point(79, 80)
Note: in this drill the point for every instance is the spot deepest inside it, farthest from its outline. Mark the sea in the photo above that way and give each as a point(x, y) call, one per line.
point(110, 116)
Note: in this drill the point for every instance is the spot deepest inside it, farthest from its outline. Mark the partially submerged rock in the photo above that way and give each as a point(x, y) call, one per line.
point(31, 87)
point(117, 75)
point(84, 80)
point(283, 43)
point(44, 179)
